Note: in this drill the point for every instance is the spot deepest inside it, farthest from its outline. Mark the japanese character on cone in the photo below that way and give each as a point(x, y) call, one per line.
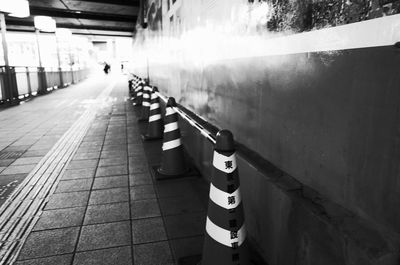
point(225, 238)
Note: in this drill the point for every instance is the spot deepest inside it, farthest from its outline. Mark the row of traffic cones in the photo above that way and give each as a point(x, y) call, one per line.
point(173, 160)
point(136, 89)
point(225, 238)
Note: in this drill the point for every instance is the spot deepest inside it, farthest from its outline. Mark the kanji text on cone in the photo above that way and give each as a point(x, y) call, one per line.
point(225, 238)
point(172, 158)
point(155, 126)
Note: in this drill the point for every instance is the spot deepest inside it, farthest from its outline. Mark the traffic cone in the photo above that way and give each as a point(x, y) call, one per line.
point(131, 85)
point(172, 158)
point(145, 104)
point(225, 238)
point(138, 101)
point(155, 126)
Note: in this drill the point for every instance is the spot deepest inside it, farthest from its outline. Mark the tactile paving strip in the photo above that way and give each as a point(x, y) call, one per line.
point(20, 212)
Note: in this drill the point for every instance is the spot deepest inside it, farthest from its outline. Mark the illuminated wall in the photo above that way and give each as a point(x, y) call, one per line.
point(319, 101)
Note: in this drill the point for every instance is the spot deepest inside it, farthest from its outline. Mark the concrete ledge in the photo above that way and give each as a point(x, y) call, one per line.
point(291, 223)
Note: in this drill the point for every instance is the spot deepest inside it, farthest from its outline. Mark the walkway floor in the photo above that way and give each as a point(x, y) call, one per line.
point(80, 185)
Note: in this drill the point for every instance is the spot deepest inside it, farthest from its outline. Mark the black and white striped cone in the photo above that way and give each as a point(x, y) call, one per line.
point(145, 104)
point(225, 238)
point(156, 125)
point(138, 99)
point(172, 157)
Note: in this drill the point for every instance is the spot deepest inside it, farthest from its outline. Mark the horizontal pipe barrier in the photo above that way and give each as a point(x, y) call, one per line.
point(310, 201)
point(209, 136)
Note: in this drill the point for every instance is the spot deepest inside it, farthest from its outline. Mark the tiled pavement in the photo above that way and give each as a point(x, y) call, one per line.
point(30, 130)
point(109, 209)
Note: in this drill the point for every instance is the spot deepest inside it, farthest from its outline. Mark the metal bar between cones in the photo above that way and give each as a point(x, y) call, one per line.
point(192, 122)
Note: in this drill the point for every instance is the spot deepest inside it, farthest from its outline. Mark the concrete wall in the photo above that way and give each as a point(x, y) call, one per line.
point(329, 120)
point(328, 117)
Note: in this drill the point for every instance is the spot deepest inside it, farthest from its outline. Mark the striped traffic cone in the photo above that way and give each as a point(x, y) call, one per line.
point(145, 104)
point(155, 126)
point(138, 100)
point(225, 238)
point(172, 158)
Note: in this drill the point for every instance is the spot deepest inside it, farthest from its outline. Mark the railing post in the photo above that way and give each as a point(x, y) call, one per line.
point(42, 81)
point(72, 75)
point(28, 81)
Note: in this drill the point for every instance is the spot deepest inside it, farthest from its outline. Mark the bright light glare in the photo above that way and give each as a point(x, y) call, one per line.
point(63, 33)
point(22, 10)
point(44, 23)
point(18, 7)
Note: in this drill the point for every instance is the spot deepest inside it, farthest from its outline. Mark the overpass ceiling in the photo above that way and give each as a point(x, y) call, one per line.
point(89, 17)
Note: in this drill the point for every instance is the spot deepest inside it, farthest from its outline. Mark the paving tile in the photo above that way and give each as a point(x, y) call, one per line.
point(114, 153)
point(114, 147)
point(41, 152)
point(140, 179)
point(86, 155)
point(113, 161)
point(111, 256)
point(181, 205)
point(141, 167)
point(145, 209)
point(185, 225)
point(186, 247)
point(109, 196)
point(49, 242)
point(91, 138)
point(176, 187)
point(89, 149)
point(104, 236)
point(6, 162)
point(11, 170)
point(152, 254)
point(142, 192)
point(148, 230)
point(79, 173)
point(105, 213)
point(115, 141)
point(112, 171)
point(27, 160)
point(38, 146)
point(110, 182)
point(59, 260)
point(67, 200)
point(74, 185)
point(77, 164)
point(60, 218)
point(93, 143)
point(13, 147)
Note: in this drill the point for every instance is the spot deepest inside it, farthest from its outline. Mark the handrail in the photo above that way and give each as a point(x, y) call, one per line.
point(209, 136)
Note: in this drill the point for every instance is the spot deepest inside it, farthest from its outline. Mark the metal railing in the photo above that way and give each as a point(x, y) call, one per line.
point(19, 82)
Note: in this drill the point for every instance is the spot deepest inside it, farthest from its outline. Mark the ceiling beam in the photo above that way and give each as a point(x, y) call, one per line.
point(116, 2)
point(108, 34)
point(65, 13)
point(72, 26)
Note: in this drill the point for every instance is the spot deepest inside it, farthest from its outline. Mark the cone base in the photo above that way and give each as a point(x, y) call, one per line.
point(146, 137)
point(190, 260)
point(160, 175)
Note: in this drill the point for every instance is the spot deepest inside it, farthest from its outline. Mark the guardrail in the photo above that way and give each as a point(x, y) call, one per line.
point(19, 82)
point(194, 121)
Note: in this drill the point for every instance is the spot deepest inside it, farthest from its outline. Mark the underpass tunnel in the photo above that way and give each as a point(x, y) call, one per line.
point(200, 132)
